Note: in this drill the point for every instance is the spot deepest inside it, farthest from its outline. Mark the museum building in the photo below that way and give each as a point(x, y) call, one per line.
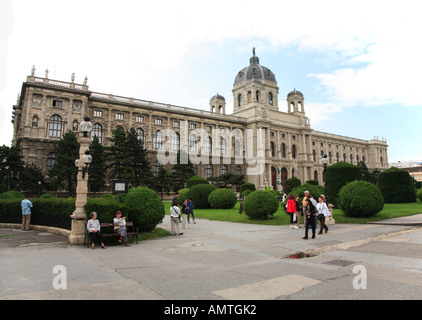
point(47, 108)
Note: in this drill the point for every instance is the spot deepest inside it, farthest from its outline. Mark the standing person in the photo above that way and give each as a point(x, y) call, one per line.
point(310, 219)
point(26, 213)
point(94, 230)
point(307, 196)
point(184, 209)
point(191, 205)
point(120, 227)
point(299, 210)
point(323, 212)
point(241, 204)
point(176, 197)
point(291, 210)
point(175, 218)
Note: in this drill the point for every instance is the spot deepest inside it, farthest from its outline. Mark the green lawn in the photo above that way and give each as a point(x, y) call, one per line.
point(394, 210)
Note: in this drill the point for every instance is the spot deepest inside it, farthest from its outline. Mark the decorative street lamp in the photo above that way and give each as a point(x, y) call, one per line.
point(79, 217)
point(86, 159)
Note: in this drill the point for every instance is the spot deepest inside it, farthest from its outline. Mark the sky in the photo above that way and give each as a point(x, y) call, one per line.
point(358, 63)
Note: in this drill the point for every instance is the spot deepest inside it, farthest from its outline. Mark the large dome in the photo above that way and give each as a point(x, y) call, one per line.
point(254, 72)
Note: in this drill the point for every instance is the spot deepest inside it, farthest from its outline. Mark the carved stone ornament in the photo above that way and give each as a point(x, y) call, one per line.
point(77, 106)
point(36, 100)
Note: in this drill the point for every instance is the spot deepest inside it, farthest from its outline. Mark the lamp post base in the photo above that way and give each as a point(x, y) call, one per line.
point(77, 235)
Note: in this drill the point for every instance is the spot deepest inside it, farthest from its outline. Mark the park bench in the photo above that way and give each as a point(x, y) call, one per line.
point(108, 225)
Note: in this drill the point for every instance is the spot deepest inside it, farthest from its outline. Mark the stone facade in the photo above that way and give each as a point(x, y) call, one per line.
point(47, 108)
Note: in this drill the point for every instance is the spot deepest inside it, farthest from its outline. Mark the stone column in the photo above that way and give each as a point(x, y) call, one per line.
point(78, 217)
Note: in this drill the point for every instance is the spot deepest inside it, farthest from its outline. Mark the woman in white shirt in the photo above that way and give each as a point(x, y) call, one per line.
point(175, 218)
point(323, 212)
point(94, 230)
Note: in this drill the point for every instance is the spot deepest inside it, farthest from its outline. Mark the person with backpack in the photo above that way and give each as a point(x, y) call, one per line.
point(292, 210)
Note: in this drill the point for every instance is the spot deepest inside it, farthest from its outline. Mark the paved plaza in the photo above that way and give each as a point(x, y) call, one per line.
point(215, 260)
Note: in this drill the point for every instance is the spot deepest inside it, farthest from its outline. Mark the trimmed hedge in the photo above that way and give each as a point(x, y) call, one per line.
point(222, 199)
point(12, 195)
point(396, 185)
point(247, 186)
point(183, 194)
point(291, 183)
point(53, 212)
point(338, 175)
point(260, 204)
point(360, 199)
point(419, 194)
point(145, 208)
point(195, 180)
point(199, 194)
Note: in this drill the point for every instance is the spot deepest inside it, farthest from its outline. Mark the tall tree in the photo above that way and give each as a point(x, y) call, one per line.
point(181, 173)
point(163, 181)
point(118, 161)
point(97, 168)
point(32, 180)
point(64, 172)
point(137, 160)
point(11, 167)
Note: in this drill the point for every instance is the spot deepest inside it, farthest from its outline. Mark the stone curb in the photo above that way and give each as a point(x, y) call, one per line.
point(54, 230)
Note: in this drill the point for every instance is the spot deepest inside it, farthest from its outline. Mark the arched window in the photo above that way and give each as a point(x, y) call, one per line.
point(316, 175)
point(223, 146)
point(330, 158)
point(239, 100)
point(224, 169)
point(51, 161)
point(208, 171)
point(382, 162)
point(175, 142)
point(357, 159)
point(249, 96)
point(270, 98)
point(257, 96)
point(283, 150)
point(195, 168)
point(55, 127)
point(272, 146)
point(337, 157)
point(344, 157)
point(238, 170)
point(158, 140)
point(97, 131)
point(208, 145)
point(192, 143)
point(294, 151)
point(140, 134)
point(351, 159)
point(314, 155)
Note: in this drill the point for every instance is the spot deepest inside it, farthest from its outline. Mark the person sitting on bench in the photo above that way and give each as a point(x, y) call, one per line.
point(94, 230)
point(120, 227)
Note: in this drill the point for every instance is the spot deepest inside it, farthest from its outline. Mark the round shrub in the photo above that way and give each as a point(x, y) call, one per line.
point(108, 196)
point(199, 194)
point(195, 180)
point(183, 194)
point(360, 199)
point(222, 199)
point(146, 209)
point(338, 175)
point(260, 204)
point(396, 185)
point(247, 186)
point(290, 184)
point(419, 194)
point(12, 195)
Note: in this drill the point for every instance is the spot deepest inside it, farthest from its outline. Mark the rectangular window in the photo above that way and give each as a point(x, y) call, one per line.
point(58, 103)
point(192, 126)
point(176, 124)
point(119, 116)
point(139, 118)
point(159, 121)
point(98, 113)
